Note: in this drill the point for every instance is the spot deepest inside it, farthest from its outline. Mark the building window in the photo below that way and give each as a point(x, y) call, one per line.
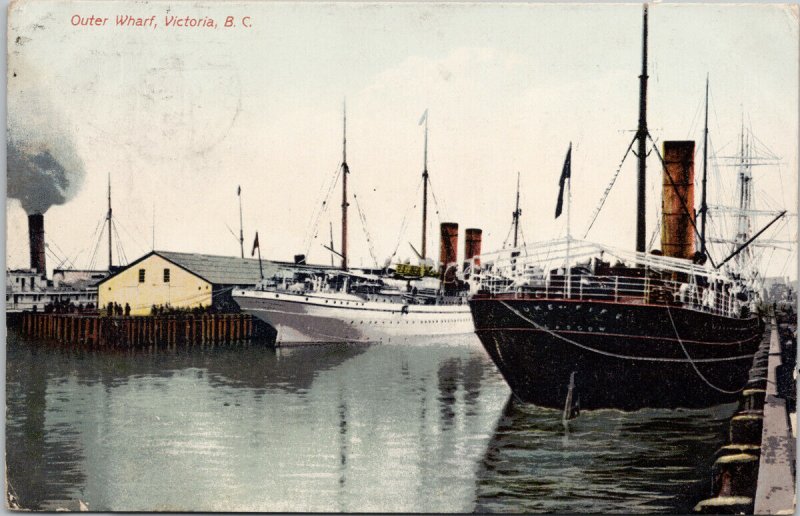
point(141, 275)
point(166, 275)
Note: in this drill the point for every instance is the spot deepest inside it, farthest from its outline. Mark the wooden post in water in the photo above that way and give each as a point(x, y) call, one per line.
point(572, 405)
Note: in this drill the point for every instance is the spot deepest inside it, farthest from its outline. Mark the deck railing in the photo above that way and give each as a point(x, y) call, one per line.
point(717, 298)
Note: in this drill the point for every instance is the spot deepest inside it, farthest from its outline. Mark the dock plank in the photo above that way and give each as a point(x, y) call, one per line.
point(775, 491)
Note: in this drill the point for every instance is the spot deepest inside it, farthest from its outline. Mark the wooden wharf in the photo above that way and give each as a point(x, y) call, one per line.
point(755, 472)
point(132, 331)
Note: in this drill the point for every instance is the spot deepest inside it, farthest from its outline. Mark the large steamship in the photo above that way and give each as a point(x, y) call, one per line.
point(393, 304)
point(624, 329)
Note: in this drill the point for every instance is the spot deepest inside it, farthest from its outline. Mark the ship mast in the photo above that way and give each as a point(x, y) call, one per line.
point(425, 192)
point(108, 219)
point(516, 214)
point(703, 205)
point(241, 223)
point(345, 171)
point(745, 181)
point(641, 135)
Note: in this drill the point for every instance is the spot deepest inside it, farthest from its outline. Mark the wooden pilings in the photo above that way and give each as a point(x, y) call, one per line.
point(735, 472)
point(139, 331)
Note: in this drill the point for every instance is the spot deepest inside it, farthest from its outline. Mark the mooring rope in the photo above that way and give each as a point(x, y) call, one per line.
point(617, 355)
point(696, 370)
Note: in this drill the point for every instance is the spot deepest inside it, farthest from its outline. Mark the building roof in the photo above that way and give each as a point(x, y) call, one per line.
point(221, 270)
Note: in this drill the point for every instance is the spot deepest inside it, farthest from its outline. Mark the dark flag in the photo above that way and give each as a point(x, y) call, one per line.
point(565, 173)
point(255, 246)
point(239, 190)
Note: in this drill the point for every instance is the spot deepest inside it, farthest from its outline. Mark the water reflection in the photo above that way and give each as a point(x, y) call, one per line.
point(335, 428)
point(411, 428)
point(603, 461)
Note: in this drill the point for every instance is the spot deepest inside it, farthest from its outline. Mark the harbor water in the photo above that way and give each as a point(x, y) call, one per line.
point(423, 427)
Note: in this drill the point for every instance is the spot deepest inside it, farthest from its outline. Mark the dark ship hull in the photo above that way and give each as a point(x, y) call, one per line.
point(625, 356)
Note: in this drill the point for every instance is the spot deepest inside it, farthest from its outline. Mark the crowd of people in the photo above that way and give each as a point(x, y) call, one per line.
point(65, 306)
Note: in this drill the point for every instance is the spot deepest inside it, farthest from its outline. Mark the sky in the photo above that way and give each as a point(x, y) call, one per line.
point(178, 118)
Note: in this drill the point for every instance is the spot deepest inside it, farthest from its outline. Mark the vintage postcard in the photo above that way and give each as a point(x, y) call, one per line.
point(401, 257)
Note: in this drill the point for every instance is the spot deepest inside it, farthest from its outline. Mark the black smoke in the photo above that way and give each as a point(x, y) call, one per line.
point(38, 179)
point(43, 165)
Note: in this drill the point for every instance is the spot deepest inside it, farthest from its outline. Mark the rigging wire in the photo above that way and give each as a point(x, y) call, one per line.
point(313, 230)
point(120, 249)
point(404, 222)
point(97, 230)
point(96, 247)
point(608, 190)
point(66, 256)
point(118, 223)
point(508, 236)
point(366, 231)
point(436, 202)
point(683, 202)
point(320, 195)
point(54, 256)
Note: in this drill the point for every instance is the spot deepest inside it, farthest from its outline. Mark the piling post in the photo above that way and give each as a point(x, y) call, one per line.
point(735, 475)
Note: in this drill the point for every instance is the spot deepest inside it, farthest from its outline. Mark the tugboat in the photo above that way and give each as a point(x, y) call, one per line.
point(370, 305)
point(626, 329)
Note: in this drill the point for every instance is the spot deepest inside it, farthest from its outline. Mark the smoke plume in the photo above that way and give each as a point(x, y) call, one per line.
point(43, 165)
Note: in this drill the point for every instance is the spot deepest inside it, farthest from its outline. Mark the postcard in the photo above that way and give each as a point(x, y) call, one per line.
point(401, 257)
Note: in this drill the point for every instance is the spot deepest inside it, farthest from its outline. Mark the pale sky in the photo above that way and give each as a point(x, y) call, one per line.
point(180, 116)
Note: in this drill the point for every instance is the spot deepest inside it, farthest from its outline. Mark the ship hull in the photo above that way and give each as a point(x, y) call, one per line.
point(624, 356)
point(309, 319)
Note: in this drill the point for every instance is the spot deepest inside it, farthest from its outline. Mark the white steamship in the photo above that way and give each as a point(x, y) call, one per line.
point(394, 304)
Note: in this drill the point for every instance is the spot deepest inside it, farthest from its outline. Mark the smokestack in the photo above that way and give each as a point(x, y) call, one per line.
point(677, 233)
point(448, 247)
point(472, 245)
point(36, 240)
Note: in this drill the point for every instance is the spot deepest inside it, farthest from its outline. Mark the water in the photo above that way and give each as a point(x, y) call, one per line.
point(412, 428)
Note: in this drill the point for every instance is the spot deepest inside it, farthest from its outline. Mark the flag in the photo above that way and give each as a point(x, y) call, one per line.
point(424, 117)
point(565, 174)
point(255, 245)
point(238, 190)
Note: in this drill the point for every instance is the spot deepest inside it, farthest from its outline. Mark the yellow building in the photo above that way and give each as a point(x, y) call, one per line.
point(180, 280)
